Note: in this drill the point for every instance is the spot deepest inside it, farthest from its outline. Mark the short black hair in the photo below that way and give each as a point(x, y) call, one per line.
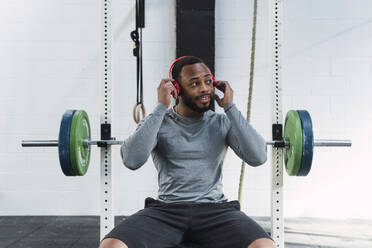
point(186, 60)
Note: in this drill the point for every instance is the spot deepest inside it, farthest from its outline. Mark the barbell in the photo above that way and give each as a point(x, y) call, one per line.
point(74, 143)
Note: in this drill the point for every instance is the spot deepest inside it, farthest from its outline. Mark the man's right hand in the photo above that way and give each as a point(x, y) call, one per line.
point(165, 90)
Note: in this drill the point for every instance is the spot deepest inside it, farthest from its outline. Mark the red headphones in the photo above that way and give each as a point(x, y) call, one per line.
point(177, 84)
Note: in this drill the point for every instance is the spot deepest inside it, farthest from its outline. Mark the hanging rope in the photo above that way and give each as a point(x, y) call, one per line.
point(251, 76)
point(136, 36)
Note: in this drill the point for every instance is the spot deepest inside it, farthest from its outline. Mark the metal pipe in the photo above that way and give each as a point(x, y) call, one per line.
point(108, 142)
point(39, 143)
point(270, 142)
point(320, 142)
point(328, 142)
point(48, 143)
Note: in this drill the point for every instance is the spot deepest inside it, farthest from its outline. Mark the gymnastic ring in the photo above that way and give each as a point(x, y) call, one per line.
point(137, 110)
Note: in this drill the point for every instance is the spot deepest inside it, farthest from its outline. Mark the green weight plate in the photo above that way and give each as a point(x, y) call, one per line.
point(293, 134)
point(79, 154)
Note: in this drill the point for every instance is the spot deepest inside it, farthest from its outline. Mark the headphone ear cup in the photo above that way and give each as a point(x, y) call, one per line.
point(177, 86)
point(214, 81)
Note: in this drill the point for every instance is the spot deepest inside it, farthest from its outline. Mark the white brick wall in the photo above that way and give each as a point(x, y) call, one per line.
point(49, 63)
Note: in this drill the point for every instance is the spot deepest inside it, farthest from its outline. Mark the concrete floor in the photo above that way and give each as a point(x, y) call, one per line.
point(83, 231)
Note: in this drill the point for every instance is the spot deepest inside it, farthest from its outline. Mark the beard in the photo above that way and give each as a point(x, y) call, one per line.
point(191, 103)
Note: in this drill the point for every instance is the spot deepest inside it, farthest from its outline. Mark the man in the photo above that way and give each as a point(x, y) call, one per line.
point(188, 144)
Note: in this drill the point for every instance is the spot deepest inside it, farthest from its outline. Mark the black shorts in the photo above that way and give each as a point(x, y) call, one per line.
point(167, 225)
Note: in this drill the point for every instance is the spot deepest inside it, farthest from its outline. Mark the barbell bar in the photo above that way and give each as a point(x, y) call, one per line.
point(74, 143)
point(50, 143)
point(317, 142)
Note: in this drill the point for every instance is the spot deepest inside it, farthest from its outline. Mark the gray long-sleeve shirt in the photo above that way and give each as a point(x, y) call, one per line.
point(188, 153)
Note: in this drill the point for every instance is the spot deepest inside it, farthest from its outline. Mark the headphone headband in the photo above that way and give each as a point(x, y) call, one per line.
point(172, 65)
point(174, 81)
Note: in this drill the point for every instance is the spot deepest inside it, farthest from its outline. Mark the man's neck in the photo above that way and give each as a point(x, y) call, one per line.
point(183, 110)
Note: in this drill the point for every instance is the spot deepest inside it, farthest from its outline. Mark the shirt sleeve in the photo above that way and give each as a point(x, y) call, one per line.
point(137, 148)
point(245, 141)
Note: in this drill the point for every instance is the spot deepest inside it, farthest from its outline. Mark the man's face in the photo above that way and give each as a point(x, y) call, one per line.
point(196, 87)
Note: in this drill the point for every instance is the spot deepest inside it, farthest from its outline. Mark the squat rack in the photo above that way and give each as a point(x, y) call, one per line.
point(275, 27)
point(107, 214)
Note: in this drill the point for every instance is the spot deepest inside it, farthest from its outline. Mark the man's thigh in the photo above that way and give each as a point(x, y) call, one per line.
point(224, 225)
point(148, 228)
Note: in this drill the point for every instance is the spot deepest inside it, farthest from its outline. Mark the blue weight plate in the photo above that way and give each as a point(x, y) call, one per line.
point(307, 143)
point(64, 143)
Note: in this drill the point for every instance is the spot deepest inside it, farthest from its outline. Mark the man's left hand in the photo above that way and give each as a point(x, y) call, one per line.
point(224, 86)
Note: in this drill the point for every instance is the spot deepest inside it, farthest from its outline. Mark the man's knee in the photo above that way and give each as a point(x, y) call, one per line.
point(112, 243)
point(262, 243)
